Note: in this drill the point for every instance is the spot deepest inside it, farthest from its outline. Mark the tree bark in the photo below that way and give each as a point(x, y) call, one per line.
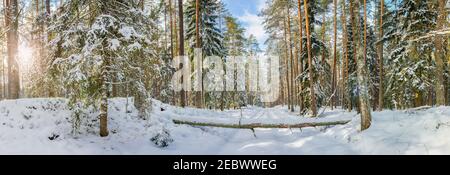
point(37, 7)
point(440, 56)
point(172, 52)
point(310, 64)
point(366, 118)
point(345, 96)
point(104, 99)
point(291, 59)
point(323, 59)
point(104, 113)
point(12, 21)
point(141, 4)
point(300, 23)
point(355, 45)
point(197, 24)
point(175, 29)
point(171, 29)
point(286, 63)
point(47, 7)
point(199, 97)
point(260, 125)
point(333, 89)
point(381, 61)
point(181, 49)
point(51, 90)
point(296, 63)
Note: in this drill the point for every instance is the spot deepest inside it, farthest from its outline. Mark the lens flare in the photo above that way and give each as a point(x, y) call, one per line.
point(25, 55)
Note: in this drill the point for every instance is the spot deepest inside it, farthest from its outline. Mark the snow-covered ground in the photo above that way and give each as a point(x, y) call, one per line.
point(42, 126)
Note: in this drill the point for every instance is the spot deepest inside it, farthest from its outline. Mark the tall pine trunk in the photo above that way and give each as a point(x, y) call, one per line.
point(286, 65)
point(104, 101)
point(291, 60)
point(381, 61)
point(172, 52)
point(11, 21)
point(47, 7)
point(171, 29)
point(104, 87)
point(199, 97)
point(51, 90)
point(354, 44)
point(334, 91)
point(181, 49)
point(300, 24)
point(310, 64)
point(322, 75)
point(366, 118)
point(440, 56)
point(346, 96)
point(104, 91)
point(345, 69)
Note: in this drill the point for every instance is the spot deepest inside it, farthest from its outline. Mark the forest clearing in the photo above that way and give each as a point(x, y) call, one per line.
point(42, 126)
point(183, 77)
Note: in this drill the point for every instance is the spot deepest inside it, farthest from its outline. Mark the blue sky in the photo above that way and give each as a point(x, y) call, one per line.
point(246, 11)
point(238, 7)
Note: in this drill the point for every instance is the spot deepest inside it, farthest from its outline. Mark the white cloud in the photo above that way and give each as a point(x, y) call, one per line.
point(254, 26)
point(261, 4)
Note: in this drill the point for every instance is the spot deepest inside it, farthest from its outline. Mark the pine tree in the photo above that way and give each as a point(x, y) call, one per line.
point(345, 68)
point(334, 83)
point(289, 56)
point(325, 69)
point(439, 55)
point(317, 67)
point(183, 98)
point(12, 24)
point(113, 41)
point(410, 67)
point(203, 32)
point(252, 45)
point(311, 86)
point(235, 46)
point(171, 28)
point(366, 118)
point(352, 51)
point(300, 71)
point(381, 59)
point(252, 49)
point(274, 17)
point(234, 39)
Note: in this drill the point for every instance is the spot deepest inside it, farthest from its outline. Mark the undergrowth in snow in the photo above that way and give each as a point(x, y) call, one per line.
point(43, 126)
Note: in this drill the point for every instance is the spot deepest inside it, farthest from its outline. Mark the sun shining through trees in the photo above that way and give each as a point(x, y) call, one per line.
point(25, 59)
point(25, 55)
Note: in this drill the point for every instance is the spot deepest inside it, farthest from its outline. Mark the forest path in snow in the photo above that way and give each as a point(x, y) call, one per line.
point(43, 126)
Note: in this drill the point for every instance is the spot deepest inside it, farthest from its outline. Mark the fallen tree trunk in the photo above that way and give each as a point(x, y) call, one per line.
point(260, 125)
point(415, 110)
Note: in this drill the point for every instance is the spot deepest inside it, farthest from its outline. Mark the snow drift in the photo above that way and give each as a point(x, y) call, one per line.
point(43, 126)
